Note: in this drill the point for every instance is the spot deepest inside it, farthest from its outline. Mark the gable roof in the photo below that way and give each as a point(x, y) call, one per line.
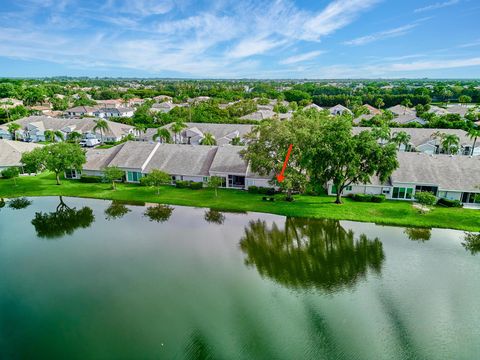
point(84, 125)
point(447, 171)
point(134, 154)
point(259, 115)
point(401, 110)
point(175, 159)
point(228, 160)
point(11, 151)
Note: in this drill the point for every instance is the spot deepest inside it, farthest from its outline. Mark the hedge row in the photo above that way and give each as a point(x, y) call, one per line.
point(91, 179)
point(188, 185)
point(449, 203)
point(261, 190)
point(367, 198)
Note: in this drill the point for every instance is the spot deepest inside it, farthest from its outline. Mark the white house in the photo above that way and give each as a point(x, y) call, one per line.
point(106, 113)
point(339, 110)
point(446, 176)
point(11, 152)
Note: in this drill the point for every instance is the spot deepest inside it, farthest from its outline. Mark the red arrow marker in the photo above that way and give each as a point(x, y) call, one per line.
point(281, 177)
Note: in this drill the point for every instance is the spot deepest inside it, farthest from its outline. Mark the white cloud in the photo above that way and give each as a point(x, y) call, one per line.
point(436, 64)
point(399, 31)
point(437, 5)
point(301, 57)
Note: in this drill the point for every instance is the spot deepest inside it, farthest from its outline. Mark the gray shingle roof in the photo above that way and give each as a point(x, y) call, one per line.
point(11, 152)
point(448, 172)
point(97, 159)
point(228, 160)
point(190, 160)
point(133, 155)
point(84, 125)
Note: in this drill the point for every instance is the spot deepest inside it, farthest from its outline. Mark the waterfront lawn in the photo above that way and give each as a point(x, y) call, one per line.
point(387, 213)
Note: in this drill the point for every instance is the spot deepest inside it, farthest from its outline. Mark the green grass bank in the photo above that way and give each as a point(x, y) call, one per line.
point(387, 213)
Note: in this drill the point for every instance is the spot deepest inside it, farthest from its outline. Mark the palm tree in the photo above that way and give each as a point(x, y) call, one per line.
point(12, 129)
point(208, 139)
point(177, 128)
point(52, 135)
point(401, 138)
point(102, 126)
point(474, 133)
point(139, 128)
point(379, 103)
point(164, 136)
point(406, 104)
point(449, 142)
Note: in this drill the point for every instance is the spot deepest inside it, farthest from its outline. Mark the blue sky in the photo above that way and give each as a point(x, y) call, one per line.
point(241, 38)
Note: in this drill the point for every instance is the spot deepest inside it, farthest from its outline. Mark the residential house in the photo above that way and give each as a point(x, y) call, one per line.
point(408, 119)
point(112, 103)
point(11, 152)
point(259, 115)
point(339, 110)
point(163, 98)
point(183, 162)
point(106, 113)
point(81, 111)
point(446, 176)
point(400, 110)
point(7, 103)
point(163, 107)
point(372, 110)
point(424, 140)
point(313, 106)
point(33, 128)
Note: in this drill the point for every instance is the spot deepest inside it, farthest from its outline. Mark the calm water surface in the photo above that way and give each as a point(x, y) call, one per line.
point(89, 279)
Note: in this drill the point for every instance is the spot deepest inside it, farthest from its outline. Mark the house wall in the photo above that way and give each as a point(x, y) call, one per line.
point(257, 182)
point(451, 195)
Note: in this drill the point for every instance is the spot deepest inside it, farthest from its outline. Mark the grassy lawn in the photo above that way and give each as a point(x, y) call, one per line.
point(387, 213)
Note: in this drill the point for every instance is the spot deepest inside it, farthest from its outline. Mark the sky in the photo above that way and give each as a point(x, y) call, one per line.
point(278, 39)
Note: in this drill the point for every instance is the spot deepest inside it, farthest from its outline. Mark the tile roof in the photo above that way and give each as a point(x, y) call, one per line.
point(11, 151)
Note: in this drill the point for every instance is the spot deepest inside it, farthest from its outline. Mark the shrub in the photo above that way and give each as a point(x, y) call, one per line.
point(449, 203)
point(91, 179)
point(253, 189)
point(182, 184)
point(378, 198)
point(362, 197)
point(425, 198)
point(195, 185)
point(10, 173)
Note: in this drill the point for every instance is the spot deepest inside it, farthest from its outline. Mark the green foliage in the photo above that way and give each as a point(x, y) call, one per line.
point(33, 161)
point(61, 157)
point(63, 221)
point(208, 139)
point(471, 243)
point(91, 179)
point(112, 174)
point(214, 182)
point(12, 114)
point(449, 203)
point(261, 190)
point(214, 217)
point(159, 213)
point(19, 203)
point(116, 210)
point(425, 198)
point(59, 103)
point(156, 178)
point(418, 234)
point(368, 198)
point(10, 173)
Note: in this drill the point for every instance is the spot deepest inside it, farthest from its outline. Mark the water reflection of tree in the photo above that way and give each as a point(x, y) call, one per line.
point(159, 213)
point(310, 253)
point(471, 242)
point(418, 234)
point(116, 210)
point(198, 347)
point(214, 217)
point(63, 221)
point(19, 203)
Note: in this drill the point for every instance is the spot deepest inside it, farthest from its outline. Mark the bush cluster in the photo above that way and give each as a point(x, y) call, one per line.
point(368, 198)
point(188, 185)
point(261, 190)
point(91, 179)
point(449, 203)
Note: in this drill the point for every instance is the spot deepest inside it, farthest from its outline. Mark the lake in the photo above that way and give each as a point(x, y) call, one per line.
point(92, 279)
